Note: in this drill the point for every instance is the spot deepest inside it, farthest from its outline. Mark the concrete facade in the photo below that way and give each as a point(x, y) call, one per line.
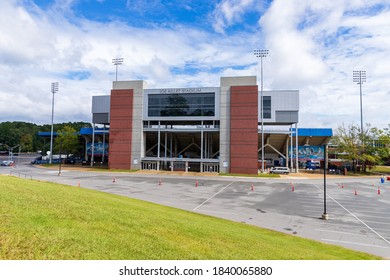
point(206, 129)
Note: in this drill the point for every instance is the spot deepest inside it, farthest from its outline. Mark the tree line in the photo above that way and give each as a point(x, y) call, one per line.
point(366, 148)
point(25, 134)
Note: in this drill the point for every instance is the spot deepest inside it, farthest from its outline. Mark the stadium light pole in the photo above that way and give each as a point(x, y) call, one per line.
point(54, 89)
point(359, 77)
point(116, 62)
point(260, 54)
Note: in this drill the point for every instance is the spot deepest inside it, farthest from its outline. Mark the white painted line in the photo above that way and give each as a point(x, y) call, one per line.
point(384, 239)
point(379, 217)
point(310, 201)
point(377, 212)
point(339, 232)
point(361, 207)
point(355, 243)
point(176, 203)
point(200, 205)
point(374, 222)
point(313, 206)
point(217, 212)
point(358, 226)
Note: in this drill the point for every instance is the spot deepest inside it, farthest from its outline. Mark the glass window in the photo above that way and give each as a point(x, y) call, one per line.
point(176, 105)
point(266, 107)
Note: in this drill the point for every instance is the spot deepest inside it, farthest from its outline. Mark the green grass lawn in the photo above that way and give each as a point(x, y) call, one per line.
point(41, 220)
point(380, 169)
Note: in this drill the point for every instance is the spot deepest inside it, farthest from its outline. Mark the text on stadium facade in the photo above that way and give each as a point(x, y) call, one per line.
point(181, 90)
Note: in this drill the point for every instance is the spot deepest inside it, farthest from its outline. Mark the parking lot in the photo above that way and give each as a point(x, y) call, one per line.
point(357, 207)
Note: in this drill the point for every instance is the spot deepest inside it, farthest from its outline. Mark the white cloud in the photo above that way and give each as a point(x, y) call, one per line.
point(39, 47)
point(315, 45)
point(227, 12)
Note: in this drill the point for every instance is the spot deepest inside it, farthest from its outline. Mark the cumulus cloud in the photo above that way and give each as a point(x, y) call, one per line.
point(38, 47)
point(229, 12)
point(315, 45)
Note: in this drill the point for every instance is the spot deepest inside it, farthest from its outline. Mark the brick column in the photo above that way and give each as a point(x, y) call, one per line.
point(244, 129)
point(121, 124)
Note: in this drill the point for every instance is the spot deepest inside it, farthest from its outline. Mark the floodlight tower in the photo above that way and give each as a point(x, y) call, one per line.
point(260, 54)
point(54, 89)
point(359, 77)
point(116, 62)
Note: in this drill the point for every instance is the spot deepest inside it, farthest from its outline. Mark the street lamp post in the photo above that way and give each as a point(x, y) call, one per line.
point(54, 89)
point(359, 77)
point(261, 54)
point(325, 215)
point(116, 62)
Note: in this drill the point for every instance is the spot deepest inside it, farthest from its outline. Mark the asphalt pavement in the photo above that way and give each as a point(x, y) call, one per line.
point(358, 207)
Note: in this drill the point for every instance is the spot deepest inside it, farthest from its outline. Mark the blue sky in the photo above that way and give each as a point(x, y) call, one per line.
point(314, 45)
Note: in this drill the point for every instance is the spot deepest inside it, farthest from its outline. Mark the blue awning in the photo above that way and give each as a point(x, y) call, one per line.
point(314, 132)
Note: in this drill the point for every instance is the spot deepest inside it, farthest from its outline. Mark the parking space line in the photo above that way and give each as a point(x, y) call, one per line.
point(217, 212)
point(200, 205)
point(381, 223)
point(361, 207)
point(353, 215)
point(377, 212)
point(354, 243)
point(336, 231)
point(371, 216)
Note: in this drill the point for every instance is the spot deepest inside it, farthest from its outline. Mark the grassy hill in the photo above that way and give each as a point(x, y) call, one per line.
point(41, 220)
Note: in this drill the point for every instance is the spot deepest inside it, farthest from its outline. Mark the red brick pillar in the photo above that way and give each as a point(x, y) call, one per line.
point(244, 129)
point(121, 123)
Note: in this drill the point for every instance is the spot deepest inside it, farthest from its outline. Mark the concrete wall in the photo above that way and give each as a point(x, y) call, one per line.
point(101, 109)
point(284, 106)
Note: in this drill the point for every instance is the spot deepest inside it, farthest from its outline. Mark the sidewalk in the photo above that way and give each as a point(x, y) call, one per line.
point(302, 175)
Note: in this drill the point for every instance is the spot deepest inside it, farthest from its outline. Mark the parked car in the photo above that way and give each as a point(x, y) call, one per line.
point(280, 170)
point(7, 163)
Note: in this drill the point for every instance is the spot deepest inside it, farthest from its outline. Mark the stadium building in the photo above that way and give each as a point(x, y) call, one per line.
point(203, 129)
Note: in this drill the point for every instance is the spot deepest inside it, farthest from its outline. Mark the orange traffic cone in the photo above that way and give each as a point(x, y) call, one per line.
point(292, 187)
point(196, 184)
point(379, 190)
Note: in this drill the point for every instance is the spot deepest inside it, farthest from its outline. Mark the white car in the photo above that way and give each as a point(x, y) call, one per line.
point(280, 170)
point(7, 163)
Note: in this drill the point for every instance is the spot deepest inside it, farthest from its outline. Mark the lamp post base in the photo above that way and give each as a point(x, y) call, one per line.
point(325, 216)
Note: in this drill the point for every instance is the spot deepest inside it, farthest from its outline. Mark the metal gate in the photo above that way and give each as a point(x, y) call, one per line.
point(149, 165)
point(210, 167)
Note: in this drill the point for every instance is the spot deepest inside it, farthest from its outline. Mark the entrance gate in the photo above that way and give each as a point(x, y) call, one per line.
point(210, 167)
point(149, 165)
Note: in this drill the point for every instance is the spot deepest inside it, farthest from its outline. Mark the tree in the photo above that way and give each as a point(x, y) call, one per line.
point(356, 146)
point(67, 140)
point(381, 141)
point(347, 142)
